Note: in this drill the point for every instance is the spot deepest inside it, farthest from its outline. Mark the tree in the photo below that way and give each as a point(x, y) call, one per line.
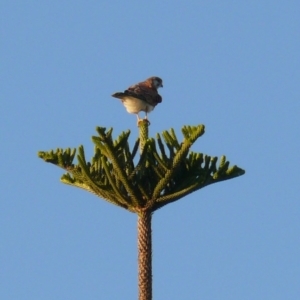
point(156, 179)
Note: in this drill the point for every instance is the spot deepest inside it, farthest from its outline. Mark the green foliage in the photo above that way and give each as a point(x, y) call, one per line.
point(165, 171)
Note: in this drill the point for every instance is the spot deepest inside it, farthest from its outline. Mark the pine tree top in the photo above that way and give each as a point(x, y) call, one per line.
point(165, 171)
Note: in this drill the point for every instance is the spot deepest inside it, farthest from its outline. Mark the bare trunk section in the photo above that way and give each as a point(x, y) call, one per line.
point(145, 255)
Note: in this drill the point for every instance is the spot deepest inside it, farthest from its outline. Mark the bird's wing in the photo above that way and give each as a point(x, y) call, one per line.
point(145, 93)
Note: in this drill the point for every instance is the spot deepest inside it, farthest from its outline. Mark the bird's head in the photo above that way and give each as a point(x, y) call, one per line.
point(156, 82)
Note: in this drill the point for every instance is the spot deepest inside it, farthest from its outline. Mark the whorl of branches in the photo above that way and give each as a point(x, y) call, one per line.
point(165, 171)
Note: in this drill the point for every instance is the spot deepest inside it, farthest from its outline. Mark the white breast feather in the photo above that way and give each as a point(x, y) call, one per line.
point(134, 105)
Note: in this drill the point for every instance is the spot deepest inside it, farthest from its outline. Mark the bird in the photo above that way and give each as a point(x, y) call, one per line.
point(142, 96)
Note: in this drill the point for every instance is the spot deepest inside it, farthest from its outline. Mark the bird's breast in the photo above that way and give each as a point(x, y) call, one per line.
point(134, 105)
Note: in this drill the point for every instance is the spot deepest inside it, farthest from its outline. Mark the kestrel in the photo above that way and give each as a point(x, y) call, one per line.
point(142, 96)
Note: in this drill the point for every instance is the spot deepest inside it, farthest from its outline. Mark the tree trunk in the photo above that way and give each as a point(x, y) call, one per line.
point(145, 255)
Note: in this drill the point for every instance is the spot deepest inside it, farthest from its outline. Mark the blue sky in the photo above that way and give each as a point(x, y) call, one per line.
point(231, 65)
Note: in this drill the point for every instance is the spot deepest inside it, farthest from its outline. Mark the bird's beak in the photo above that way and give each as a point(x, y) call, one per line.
point(161, 85)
